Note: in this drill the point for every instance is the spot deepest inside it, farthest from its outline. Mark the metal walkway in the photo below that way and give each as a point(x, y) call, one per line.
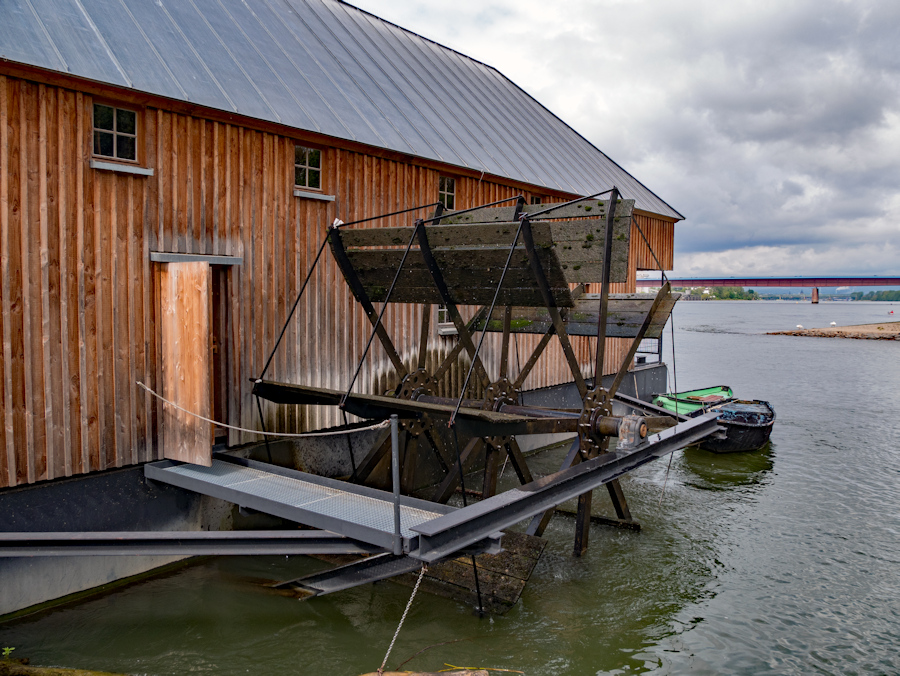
point(357, 512)
point(430, 531)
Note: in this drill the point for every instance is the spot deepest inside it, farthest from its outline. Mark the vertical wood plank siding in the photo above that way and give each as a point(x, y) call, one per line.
point(80, 300)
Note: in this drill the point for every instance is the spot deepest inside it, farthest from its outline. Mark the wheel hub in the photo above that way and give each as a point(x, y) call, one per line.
point(596, 405)
point(415, 385)
point(496, 395)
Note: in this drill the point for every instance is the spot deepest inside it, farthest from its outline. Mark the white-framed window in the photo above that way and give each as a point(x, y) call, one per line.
point(447, 192)
point(536, 199)
point(115, 133)
point(445, 327)
point(307, 168)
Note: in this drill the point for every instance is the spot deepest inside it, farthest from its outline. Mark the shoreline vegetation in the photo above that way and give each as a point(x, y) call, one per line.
point(876, 295)
point(739, 293)
point(719, 293)
point(880, 331)
point(13, 667)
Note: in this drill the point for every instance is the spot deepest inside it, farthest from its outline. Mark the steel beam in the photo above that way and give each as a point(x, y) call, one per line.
point(647, 408)
point(181, 543)
point(353, 574)
point(444, 535)
point(472, 421)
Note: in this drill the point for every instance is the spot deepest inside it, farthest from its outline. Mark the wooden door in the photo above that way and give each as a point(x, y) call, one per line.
point(186, 339)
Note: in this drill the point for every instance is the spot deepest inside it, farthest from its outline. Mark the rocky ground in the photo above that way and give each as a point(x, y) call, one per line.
point(21, 668)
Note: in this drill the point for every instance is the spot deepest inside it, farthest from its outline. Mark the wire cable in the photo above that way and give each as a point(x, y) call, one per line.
point(675, 380)
point(285, 435)
point(402, 619)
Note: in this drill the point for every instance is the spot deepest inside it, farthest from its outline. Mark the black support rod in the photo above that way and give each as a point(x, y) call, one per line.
point(356, 286)
point(623, 369)
point(384, 305)
point(439, 215)
point(512, 250)
point(393, 213)
point(541, 279)
point(293, 308)
point(535, 355)
point(604, 289)
point(462, 329)
point(535, 214)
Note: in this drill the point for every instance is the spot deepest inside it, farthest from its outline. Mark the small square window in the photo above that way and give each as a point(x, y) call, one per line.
point(447, 192)
point(307, 168)
point(536, 200)
point(115, 132)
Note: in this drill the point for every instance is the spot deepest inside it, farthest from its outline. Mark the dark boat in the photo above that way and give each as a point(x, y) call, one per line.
point(747, 423)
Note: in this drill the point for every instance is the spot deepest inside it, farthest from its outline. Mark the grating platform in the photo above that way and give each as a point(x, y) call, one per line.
point(358, 512)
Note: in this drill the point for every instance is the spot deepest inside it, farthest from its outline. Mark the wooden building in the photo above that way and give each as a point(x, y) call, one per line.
point(165, 166)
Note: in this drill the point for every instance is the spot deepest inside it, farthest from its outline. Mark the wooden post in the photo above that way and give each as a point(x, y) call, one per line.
point(184, 314)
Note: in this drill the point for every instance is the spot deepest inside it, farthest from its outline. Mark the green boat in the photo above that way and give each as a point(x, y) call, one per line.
point(693, 401)
point(747, 423)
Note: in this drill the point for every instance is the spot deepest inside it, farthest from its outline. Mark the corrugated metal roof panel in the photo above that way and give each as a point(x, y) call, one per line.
point(424, 92)
point(169, 40)
point(76, 37)
point(322, 66)
point(23, 38)
point(147, 69)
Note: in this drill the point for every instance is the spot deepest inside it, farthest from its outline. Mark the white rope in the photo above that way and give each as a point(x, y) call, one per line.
point(383, 423)
point(397, 633)
point(675, 390)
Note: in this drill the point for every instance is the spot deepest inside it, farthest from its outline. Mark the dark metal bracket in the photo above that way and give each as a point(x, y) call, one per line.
point(359, 291)
point(465, 337)
point(544, 286)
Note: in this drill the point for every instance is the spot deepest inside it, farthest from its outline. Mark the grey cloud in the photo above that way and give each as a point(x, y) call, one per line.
point(773, 126)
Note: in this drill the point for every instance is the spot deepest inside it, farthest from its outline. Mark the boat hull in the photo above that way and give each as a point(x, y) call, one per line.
point(747, 424)
point(739, 439)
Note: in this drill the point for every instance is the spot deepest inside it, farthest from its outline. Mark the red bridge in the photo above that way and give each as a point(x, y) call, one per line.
point(813, 282)
point(776, 281)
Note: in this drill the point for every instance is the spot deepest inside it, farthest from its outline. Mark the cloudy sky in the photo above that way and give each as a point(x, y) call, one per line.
point(774, 127)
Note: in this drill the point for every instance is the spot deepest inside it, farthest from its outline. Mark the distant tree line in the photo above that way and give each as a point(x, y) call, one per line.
point(876, 295)
point(733, 293)
point(720, 292)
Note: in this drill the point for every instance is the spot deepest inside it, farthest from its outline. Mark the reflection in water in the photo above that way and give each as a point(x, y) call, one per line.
point(721, 471)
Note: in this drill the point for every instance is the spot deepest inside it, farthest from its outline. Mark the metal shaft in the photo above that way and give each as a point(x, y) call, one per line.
point(395, 476)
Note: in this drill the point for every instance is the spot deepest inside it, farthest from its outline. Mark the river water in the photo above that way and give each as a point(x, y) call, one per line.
point(784, 561)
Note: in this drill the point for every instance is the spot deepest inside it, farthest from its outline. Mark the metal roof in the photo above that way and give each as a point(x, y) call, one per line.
point(322, 66)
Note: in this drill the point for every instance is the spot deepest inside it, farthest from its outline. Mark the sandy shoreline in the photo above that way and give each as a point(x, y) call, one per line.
point(880, 331)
